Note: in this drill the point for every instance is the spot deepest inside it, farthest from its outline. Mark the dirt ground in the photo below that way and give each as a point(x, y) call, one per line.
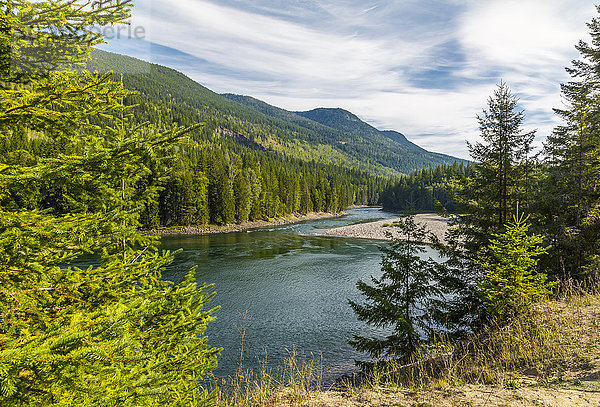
point(559, 395)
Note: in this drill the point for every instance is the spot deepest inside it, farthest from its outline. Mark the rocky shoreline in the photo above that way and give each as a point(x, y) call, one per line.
point(381, 230)
point(255, 224)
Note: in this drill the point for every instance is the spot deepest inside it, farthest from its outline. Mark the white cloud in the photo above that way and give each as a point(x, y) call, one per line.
point(528, 43)
point(522, 33)
point(282, 50)
point(367, 56)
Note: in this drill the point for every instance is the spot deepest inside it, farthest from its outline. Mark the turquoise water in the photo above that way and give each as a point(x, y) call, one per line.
point(294, 285)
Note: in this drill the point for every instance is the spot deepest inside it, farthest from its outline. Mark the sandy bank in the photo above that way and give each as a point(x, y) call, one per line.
point(378, 230)
point(255, 224)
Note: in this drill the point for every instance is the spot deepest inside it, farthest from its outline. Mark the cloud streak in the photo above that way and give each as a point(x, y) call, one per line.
point(423, 69)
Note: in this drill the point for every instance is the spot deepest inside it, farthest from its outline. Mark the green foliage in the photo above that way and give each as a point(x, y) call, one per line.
point(499, 178)
point(114, 333)
point(217, 176)
point(400, 299)
point(501, 171)
point(39, 39)
point(426, 190)
point(511, 284)
point(570, 199)
point(388, 153)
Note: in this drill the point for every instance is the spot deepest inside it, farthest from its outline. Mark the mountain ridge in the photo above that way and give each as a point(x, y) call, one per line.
point(349, 127)
point(166, 95)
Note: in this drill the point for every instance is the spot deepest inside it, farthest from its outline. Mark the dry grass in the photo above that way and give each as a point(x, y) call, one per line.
point(294, 384)
point(544, 342)
point(548, 357)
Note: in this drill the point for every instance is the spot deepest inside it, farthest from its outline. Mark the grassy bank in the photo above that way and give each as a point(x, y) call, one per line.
point(549, 357)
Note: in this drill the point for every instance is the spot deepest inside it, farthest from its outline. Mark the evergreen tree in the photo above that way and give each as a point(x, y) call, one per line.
point(400, 298)
point(221, 195)
point(498, 180)
point(511, 283)
point(114, 333)
point(572, 192)
point(243, 197)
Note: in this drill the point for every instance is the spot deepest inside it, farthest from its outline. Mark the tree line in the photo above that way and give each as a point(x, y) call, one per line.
point(208, 184)
point(426, 190)
point(523, 224)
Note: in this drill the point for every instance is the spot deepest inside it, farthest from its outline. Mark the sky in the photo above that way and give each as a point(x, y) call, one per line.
point(424, 68)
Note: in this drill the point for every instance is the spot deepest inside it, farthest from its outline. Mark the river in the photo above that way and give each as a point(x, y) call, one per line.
point(293, 283)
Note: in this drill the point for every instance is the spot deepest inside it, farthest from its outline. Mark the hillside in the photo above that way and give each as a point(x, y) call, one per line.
point(166, 95)
point(567, 375)
point(344, 131)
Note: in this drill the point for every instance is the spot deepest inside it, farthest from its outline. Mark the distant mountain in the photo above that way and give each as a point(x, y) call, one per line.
point(330, 136)
point(348, 122)
point(316, 130)
point(345, 131)
point(341, 120)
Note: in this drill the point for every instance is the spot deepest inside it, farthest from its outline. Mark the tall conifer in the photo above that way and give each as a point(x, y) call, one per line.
point(497, 182)
point(572, 198)
point(115, 333)
point(400, 299)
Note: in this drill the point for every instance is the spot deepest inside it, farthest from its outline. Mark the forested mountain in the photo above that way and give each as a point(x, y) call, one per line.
point(345, 132)
point(349, 123)
point(401, 139)
point(398, 148)
point(247, 160)
point(231, 168)
point(169, 96)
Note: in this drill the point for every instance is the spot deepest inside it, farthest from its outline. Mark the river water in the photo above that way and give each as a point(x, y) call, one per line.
point(292, 282)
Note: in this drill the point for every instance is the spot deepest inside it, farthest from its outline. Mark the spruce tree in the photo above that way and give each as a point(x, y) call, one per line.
point(511, 282)
point(115, 333)
point(499, 178)
point(400, 299)
point(572, 191)
point(497, 182)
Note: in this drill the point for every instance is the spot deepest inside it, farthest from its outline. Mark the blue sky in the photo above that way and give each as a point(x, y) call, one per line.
point(424, 68)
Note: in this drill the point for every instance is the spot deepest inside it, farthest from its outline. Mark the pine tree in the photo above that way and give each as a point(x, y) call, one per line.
point(115, 333)
point(400, 298)
point(242, 193)
point(511, 283)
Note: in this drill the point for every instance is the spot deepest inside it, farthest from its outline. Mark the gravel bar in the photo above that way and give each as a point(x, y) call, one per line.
point(379, 230)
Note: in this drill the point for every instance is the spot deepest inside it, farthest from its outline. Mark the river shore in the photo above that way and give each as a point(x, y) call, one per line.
point(554, 362)
point(382, 230)
point(231, 228)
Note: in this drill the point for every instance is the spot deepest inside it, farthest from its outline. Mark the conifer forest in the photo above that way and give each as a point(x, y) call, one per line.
point(102, 153)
